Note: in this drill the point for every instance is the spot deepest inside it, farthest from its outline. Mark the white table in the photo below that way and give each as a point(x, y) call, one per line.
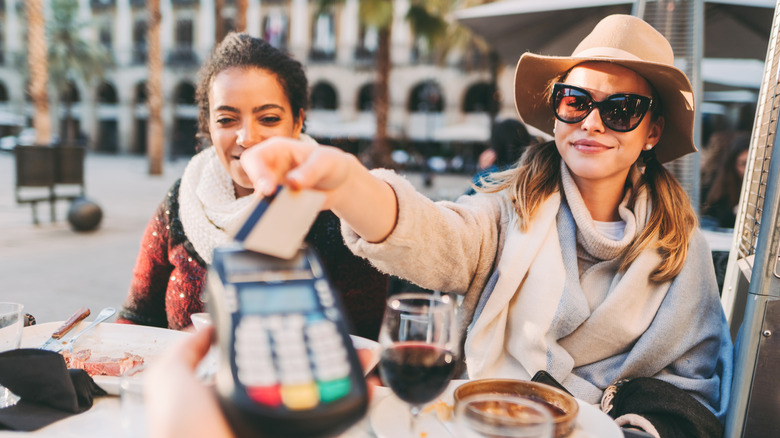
point(104, 420)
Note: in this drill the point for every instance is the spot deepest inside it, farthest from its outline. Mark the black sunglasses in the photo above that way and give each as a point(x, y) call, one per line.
point(619, 112)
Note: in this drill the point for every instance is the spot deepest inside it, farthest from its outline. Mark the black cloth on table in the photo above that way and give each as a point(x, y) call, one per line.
point(48, 390)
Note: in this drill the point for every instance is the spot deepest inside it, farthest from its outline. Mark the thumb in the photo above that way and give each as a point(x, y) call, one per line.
point(191, 350)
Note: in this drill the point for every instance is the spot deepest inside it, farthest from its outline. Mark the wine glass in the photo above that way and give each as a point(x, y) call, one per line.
point(420, 347)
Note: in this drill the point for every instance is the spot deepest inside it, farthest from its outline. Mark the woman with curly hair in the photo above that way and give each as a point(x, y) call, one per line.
point(248, 91)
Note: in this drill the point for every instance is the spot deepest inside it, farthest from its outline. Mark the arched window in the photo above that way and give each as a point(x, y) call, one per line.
point(479, 98)
point(366, 97)
point(185, 94)
point(70, 93)
point(106, 93)
point(140, 93)
point(426, 97)
point(323, 96)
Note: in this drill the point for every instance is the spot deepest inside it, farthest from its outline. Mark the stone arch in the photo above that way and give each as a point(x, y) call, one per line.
point(107, 94)
point(365, 101)
point(185, 94)
point(426, 96)
point(479, 98)
point(324, 96)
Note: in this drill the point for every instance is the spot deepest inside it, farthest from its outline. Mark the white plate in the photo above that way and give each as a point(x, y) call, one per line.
point(391, 415)
point(114, 340)
point(108, 339)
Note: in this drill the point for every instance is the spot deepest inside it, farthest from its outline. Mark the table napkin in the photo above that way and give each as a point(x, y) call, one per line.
point(48, 391)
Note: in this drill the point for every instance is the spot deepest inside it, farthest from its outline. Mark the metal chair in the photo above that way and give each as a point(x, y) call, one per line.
point(69, 170)
point(35, 177)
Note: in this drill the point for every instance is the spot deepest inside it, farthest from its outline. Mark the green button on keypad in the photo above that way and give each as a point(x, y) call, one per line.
point(334, 389)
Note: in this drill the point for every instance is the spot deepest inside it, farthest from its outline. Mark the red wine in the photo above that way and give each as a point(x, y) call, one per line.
point(416, 372)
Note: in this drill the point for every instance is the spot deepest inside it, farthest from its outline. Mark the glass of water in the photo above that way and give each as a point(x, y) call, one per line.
point(502, 416)
point(131, 393)
point(11, 324)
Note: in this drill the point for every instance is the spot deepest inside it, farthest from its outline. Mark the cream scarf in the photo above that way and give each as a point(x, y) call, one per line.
point(542, 314)
point(208, 204)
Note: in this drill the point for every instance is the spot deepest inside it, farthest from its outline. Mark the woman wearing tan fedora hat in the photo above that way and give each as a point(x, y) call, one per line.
point(584, 260)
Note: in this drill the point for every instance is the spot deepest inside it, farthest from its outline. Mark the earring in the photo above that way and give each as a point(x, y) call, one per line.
point(649, 146)
point(553, 130)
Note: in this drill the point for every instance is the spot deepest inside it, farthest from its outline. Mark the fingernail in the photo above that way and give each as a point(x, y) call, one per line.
point(261, 187)
point(294, 177)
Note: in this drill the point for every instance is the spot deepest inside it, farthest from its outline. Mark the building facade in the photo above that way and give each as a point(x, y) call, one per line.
point(428, 100)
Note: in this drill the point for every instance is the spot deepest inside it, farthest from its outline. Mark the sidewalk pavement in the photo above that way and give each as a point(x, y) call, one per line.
point(54, 270)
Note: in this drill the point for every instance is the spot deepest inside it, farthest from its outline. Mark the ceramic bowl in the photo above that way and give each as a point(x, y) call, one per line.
point(562, 406)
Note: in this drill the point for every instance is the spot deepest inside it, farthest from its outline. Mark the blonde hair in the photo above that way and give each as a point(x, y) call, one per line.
point(672, 219)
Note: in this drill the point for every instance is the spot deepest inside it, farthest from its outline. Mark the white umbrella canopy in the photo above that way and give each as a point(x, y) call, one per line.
point(733, 28)
point(8, 118)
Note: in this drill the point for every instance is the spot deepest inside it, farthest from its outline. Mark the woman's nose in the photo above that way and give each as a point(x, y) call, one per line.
point(593, 121)
point(246, 135)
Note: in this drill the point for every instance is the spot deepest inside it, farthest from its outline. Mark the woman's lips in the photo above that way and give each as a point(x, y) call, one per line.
point(590, 147)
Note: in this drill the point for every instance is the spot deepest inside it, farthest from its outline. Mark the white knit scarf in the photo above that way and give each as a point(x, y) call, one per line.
point(208, 204)
point(535, 318)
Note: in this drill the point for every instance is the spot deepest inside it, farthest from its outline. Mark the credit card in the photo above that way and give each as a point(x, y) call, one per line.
point(277, 224)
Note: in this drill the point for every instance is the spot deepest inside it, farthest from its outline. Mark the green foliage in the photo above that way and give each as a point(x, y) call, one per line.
point(427, 23)
point(70, 55)
point(376, 13)
point(327, 5)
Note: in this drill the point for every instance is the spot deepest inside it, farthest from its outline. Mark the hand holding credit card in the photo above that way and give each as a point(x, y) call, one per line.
point(279, 223)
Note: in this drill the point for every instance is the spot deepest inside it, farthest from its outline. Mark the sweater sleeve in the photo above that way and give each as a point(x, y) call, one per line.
point(446, 246)
point(145, 302)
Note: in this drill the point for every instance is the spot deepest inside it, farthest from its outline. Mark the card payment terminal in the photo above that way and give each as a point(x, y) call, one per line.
point(287, 364)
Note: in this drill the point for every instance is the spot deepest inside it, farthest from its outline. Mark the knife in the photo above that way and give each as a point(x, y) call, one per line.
point(65, 328)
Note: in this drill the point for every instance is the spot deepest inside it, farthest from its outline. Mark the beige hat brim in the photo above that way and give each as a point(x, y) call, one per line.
point(534, 72)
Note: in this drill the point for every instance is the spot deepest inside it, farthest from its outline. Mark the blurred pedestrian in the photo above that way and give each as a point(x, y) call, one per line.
point(508, 140)
point(725, 172)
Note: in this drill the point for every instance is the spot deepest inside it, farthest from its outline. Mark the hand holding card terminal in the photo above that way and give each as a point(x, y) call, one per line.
point(287, 365)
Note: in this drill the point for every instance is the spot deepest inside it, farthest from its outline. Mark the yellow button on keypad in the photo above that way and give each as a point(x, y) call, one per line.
point(300, 397)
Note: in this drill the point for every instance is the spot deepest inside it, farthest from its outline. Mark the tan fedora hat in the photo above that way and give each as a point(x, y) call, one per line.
point(627, 41)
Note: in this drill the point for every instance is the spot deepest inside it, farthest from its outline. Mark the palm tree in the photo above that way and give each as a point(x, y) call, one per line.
point(428, 20)
point(39, 72)
point(241, 7)
point(72, 57)
point(219, 22)
point(240, 22)
point(155, 133)
point(379, 14)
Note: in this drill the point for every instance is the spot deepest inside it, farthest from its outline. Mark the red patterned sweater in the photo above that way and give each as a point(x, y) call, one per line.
point(169, 276)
